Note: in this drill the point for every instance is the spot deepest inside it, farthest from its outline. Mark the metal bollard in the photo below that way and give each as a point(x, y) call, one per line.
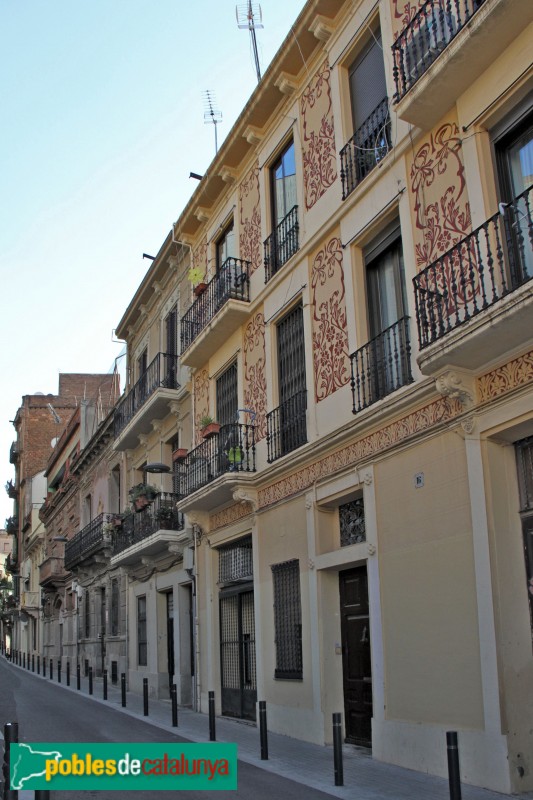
point(51, 668)
point(454, 773)
point(68, 673)
point(78, 677)
point(263, 729)
point(44, 666)
point(145, 697)
point(123, 688)
point(212, 730)
point(24, 661)
point(90, 680)
point(59, 670)
point(42, 794)
point(11, 736)
point(174, 699)
point(28, 661)
point(337, 749)
point(105, 684)
point(33, 662)
point(38, 664)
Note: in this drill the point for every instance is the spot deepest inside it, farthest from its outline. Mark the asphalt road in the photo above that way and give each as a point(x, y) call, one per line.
point(47, 713)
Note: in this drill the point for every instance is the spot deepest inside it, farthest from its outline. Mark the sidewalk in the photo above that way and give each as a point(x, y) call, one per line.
point(308, 764)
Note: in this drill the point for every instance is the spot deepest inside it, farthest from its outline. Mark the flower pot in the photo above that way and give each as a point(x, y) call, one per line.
point(210, 430)
point(199, 289)
point(179, 454)
point(141, 502)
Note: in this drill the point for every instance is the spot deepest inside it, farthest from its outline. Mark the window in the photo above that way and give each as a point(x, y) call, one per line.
point(225, 247)
point(352, 522)
point(515, 157)
point(226, 396)
point(524, 458)
point(142, 363)
point(169, 367)
point(103, 611)
point(287, 620)
point(286, 425)
point(371, 140)
point(115, 603)
point(283, 242)
point(383, 364)
point(142, 643)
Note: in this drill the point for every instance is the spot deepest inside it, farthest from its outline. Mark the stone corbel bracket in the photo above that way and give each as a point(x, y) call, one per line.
point(321, 28)
point(459, 385)
point(246, 496)
point(287, 84)
point(200, 519)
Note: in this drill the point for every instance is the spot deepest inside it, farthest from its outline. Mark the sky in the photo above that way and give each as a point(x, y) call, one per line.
point(101, 121)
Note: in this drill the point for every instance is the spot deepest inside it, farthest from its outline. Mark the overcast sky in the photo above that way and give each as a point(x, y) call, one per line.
point(102, 119)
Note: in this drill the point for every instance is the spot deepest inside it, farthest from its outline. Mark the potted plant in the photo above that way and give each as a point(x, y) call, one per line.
point(196, 277)
point(208, 426)
point(142, 495)
point(164, 515)
point(179, 454)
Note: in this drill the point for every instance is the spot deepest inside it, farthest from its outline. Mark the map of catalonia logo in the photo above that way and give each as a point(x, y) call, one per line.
point(122, 766)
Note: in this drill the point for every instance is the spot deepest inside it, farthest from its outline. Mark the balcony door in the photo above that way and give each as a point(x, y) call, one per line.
point(291, 380)
point(169, 368)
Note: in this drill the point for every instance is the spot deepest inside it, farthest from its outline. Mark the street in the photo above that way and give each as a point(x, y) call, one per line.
point(47, 712)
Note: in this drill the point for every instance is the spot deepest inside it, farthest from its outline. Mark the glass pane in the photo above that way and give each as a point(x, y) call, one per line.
point(521, 162)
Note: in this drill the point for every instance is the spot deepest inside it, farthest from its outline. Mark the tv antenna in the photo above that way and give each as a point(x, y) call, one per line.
point(211, 114)
point(249, 16)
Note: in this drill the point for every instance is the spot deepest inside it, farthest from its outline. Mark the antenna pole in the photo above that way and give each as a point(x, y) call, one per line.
point(254, 40)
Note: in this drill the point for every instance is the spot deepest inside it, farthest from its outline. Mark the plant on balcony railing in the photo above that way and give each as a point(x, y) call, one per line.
point(282, 243)
point(492, 261)
point(287, 426)
point(381, 366)
point(161, 514)
point(230, 450)
point(12, 525)
point(368, 146)
point(11, 490)
point(142, 495)
point(422, 41)
point(230, 283)
point(161, 373)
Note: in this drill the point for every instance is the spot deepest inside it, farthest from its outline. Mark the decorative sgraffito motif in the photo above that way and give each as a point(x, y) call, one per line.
point(250, 219)
point(229, 515)
point(403, 12)
point(441, 410)
point(330, 340)
point(254, 372)
point(504, 379)
point(319, 159)
point(201, 401)
point(199, 257)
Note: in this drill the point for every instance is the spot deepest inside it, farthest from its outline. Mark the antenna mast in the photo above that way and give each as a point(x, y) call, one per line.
point(249, 16)
point(211, 113)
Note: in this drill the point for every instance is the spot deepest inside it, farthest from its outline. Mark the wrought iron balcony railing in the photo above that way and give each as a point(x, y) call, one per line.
point(422, 41)
point(230, 283)
point(492, 261)
point(281, 244)
point(162, 372)
point(87, 541)
point(51, 570)
point(368, 146)
point(230, 450)
point(160, 515)
point(287, 426)
point(14, 453)
point(381, 366)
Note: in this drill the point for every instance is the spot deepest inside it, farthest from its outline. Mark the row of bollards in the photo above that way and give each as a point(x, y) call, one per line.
point(11, 729)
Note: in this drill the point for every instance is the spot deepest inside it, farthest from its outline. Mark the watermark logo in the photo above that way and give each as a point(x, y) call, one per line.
point(135, 766)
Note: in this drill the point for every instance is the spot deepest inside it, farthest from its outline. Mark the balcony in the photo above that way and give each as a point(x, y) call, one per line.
point(11, 565)
point(287, 426)
point(282, 244)
point(14, 453)
point(368, 146)
point(149, 532)
point(225, 456)
point(219, 310)
point(446, 47)
point(381, 366)
point(88, 541)
point(52, 572)
point(146, 401)
point(11, 489)
point(12, 525)
point(475, 303)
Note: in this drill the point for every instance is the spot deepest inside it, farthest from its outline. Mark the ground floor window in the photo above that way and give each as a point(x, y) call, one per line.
point(524, 457)
point(142, 644)
point(287, 620)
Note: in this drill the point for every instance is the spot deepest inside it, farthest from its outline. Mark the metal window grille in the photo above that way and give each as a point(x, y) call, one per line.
point(352, 522)
point(291, 354)
point(114, 607)
point(142, 644)
point(226, 396)
point(235, 562)
point(114, 672)
point(287, 620)
point(87, 615)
